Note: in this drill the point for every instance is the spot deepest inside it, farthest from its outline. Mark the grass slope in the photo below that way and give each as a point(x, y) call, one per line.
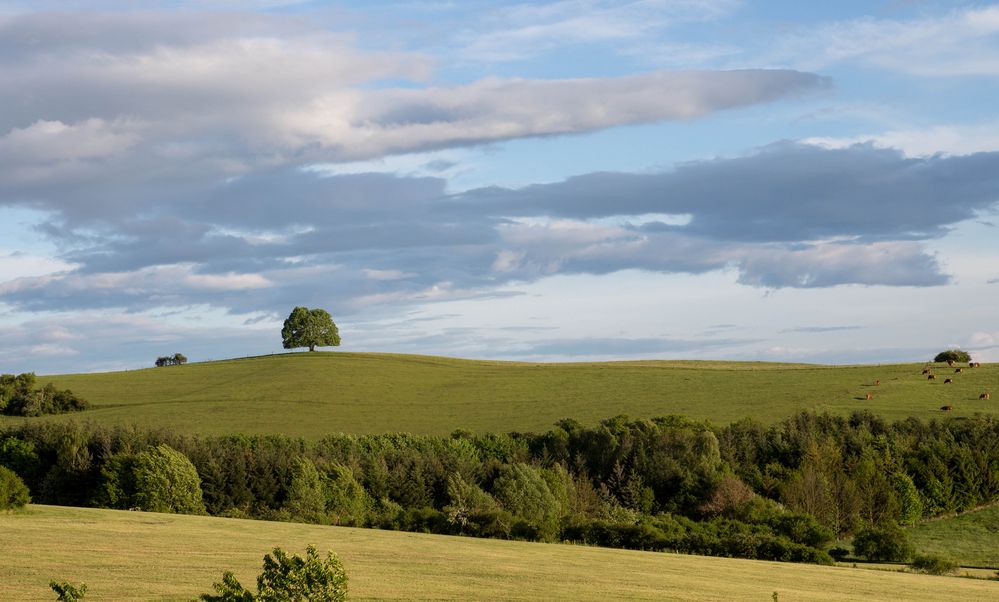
point(310, 394)
point(972, 539)
point(143, 556)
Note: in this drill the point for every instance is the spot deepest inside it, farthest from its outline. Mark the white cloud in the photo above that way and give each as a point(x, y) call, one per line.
point(951, 139)
point(961, 43)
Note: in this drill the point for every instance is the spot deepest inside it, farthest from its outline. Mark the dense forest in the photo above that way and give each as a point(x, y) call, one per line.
point(781, 492)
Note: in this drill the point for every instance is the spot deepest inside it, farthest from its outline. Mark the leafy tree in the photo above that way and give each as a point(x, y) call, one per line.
point(952, 355)
point(309, 328)
point(288, 579)
point(882, 544)
point(68, 592)
point(166, 481)
point(19, 397)
point(934, 565)
point(347, 503)
point(176, 359)
point(521, 489)
point(306, 500)
point(13, 491)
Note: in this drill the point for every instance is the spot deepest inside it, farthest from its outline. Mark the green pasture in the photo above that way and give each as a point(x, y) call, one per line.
point(971, 539)
point(310, 394)
point(125, 556)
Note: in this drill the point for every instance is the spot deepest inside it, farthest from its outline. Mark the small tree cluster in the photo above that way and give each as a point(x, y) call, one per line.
point(176, 359)
point(953, 355)
point(20, 397)
point(888, 544)
point(288, 579)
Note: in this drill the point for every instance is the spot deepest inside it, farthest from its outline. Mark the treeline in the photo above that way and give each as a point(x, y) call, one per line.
point(20, 397)
point(781, 492)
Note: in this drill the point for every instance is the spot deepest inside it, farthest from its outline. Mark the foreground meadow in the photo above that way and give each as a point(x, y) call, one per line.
point(144, 556)
point(311, 394)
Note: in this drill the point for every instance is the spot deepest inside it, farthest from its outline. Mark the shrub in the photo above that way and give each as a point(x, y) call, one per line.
point(953, 355)
point(838, 553)
point(882, 544)
point(67, 591)
point(166, 481)
point(13, 491)
point(288, 579)
point(933, 565)
point(522, 490)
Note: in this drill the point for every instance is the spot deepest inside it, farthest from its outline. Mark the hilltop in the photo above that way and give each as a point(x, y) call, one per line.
point(310, 394)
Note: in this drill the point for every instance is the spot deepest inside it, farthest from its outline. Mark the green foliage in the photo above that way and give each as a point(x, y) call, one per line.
point(288, 579)
point(177, 359)
point(888, 544)
point(306, 498)
point(522, 490)
point(68, 592)
point(953, 355)
point(309, 328)
point(933, 565)
point(166, 481)
point(20, 397)
point(468, 502)
point(347, 502)
point(910, 506)
point(13, 491)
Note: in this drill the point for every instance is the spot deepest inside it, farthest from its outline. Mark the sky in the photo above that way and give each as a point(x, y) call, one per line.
point(550, 181)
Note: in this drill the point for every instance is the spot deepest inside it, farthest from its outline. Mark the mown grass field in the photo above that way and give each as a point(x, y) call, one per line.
point(971, 539)
point(143, 556)
point(310, 394)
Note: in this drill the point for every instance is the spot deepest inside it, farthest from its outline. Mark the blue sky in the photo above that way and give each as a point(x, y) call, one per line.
point(550, 181)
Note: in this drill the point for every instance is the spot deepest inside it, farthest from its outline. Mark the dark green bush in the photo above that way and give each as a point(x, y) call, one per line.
point(952, 355)
point(166, 481)
point(838, 553)
point(887, 544)
point(68, 592)
point(933, 565)
point(13, 491)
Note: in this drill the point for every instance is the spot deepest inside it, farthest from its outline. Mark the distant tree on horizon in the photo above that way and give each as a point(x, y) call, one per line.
point(177, 359)
point(953, 355)
point(309, 328)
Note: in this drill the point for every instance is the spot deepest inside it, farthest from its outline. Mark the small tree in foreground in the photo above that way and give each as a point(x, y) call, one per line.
point(953, 355)
point(288, 579)
point(68, 592)
point(309, 328)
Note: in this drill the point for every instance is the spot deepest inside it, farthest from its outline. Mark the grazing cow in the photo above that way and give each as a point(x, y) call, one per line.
point(870, 396)
point(985, 396)
point(978, 364)
point(947, 381)
point(931, 377)
point(926, 370)
point(877, 382)
point(950, 363)
point(958, 370)
point(947, 408)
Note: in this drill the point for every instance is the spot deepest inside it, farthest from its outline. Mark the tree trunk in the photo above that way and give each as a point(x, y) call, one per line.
point(312, 347)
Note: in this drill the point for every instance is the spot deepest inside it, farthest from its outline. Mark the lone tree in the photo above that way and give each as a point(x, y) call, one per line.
point(953, 355)
point(309, 328)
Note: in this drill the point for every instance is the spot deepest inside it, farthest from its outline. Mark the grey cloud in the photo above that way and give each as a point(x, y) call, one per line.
point(820, 329)
point(788, 215)
point(609, 347)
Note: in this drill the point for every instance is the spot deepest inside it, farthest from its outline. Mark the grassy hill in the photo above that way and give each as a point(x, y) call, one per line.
point(143, 556)
point(309, 394)
point(971, 539)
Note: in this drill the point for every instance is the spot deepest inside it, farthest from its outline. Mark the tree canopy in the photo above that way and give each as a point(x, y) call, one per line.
point(309, 328)
point(953, 355)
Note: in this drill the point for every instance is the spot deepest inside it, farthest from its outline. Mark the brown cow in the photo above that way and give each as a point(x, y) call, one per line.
point(950, 363)
point(931, 377)
point(947, 408)
point(877, 382)
point(926, 370)
point(958, 370)
point(947, 381)
point(870, 396)
point(985, 396)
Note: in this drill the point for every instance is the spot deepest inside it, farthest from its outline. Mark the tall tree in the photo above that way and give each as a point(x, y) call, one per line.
point(309, 328)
